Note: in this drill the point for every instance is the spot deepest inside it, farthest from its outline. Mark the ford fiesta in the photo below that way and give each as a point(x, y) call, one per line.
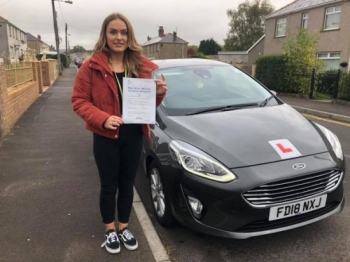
point(229, 158)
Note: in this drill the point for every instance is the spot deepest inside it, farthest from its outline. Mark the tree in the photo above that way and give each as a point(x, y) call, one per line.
point(209, 47)
point(192, 50)
point(78, 49)
point(246, 24)
point(300, 51)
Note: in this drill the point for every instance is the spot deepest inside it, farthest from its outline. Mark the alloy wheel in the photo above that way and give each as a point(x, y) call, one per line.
point(157, 192)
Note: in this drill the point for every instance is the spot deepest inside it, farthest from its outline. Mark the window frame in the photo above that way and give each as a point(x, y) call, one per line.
point(303, 19)
point(278, 24)
point(329, 56)
point(332, 13)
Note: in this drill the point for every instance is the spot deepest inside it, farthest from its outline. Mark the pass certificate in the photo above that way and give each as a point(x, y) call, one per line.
point(139, 101)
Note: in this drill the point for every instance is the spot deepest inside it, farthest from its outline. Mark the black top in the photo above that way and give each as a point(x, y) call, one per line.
point(126, 130)
point(120, 78)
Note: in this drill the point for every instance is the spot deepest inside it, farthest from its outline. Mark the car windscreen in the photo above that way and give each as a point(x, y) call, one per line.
point(193, 88)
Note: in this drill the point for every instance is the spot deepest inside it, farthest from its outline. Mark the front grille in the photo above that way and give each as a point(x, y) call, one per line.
point(293, 189)
point(263, 225)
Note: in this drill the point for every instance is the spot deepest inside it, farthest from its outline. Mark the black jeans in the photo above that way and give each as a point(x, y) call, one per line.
point(117, 162)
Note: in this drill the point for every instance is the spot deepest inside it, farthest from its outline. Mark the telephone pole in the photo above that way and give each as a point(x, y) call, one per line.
point(56, 33)
point(56, 37)
point(66, 42)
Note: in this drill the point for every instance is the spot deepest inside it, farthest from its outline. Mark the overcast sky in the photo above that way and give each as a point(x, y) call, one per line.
point(194, 20)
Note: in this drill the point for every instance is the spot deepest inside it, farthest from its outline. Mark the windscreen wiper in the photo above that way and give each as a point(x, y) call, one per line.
point(222, 108)
point(264, 103)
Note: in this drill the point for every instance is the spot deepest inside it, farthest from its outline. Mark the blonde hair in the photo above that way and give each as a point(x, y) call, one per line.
point(133, 53)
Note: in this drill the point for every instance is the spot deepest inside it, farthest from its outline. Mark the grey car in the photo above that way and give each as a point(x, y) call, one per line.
point(228, 158)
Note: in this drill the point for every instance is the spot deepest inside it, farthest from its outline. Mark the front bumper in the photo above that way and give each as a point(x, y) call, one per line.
point(226, 213)
point(244, 235)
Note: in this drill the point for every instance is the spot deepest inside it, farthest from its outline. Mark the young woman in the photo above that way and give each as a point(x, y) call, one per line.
point(97, 98)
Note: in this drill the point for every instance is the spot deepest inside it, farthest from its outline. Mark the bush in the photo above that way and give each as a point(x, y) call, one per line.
point(344, 87)
point(64, 59)
point(200, 55)
point(300, 50)
point(271, 71)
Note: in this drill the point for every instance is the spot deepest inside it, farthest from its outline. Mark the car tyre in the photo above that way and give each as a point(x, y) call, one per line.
point(160, 197)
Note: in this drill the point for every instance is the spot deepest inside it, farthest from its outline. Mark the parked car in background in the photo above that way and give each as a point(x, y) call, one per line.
point(78, 61)
point(227, 157)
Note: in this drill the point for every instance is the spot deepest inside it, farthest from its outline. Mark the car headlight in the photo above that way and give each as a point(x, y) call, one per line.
point(199, 163)
point(333, 140)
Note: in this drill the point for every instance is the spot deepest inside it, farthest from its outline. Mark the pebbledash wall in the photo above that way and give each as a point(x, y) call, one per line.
point(15, 101)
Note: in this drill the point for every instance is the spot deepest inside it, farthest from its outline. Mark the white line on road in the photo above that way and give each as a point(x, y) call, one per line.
point(327, 120)
point(347, 156)
point(158, 250)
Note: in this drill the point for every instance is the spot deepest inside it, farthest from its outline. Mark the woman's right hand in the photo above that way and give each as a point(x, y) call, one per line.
point(113, 122)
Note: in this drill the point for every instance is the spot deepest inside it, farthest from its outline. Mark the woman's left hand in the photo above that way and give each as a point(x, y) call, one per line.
point(161, 86)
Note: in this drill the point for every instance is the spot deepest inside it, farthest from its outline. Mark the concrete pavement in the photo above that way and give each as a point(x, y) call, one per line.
point(49, 189)
point(318, 108)
point(49, 185)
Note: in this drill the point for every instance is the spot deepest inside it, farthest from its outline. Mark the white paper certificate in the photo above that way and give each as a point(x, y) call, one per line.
point(139, 101)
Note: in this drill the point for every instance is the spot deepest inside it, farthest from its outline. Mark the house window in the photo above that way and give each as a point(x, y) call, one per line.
point(332, 20)
point(281, 26)
point(331, 60)
point(305, 20)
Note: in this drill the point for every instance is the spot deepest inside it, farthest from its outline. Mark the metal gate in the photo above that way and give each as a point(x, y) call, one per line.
point(324, 85)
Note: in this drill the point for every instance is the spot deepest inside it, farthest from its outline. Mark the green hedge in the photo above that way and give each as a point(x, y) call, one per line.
point(64, 59)
point(271, 71)
point(200, 55)
point(344, 87)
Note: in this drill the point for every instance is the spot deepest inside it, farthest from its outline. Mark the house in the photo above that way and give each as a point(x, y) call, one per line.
point(165, 46)
point(246, 58)
point(37, 44)
point(329, 17)
point(13, 41)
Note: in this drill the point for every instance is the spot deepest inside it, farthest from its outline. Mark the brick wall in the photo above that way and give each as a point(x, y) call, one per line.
point(3, 94)
point(49, 71)
point(45, 66)
point(18, 100)
point(330, 40)
point(167, 51)
point(38, 75)
point(14, 102)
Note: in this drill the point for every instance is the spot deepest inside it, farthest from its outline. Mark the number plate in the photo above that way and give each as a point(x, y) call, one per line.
point(297, 208)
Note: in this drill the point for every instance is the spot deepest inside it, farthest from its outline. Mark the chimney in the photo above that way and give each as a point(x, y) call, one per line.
point(174, 37)
point(148, 38)
point(161, 31)
point(39, 37)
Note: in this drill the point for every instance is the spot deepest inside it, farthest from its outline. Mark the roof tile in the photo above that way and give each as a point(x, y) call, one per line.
point(167, 38)
point(299, 5)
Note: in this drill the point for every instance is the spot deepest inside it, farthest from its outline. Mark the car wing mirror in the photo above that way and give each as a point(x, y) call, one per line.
point(273, 92)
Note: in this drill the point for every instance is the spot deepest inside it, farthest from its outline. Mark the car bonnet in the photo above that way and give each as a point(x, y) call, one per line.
point(249, 136)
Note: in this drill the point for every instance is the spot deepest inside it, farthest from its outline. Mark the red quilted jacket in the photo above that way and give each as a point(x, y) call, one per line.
point(95, 96)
